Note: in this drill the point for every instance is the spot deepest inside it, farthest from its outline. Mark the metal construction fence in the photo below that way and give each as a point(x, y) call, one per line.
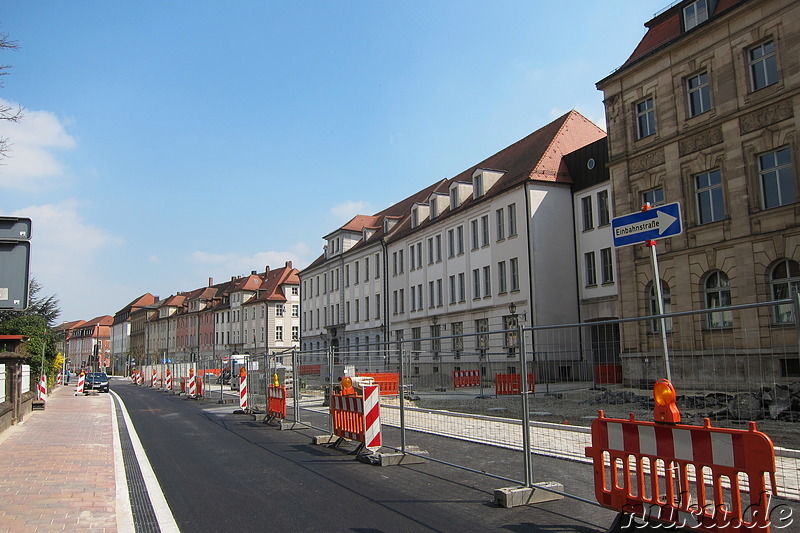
point(540, 388)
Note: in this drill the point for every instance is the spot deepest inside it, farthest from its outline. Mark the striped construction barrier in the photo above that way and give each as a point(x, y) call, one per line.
point(192, 384)
point(81, 383)
point(168, 380)
point(466, 378)
point(41, 389)
point(59, 378)
point(698, 477)
point(243, 389)
point(139, 378)
point(389, 382)
point(506, 384)
point(357, 417)
point(154, 378)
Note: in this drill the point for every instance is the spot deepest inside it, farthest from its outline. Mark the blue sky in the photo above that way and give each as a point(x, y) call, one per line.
point(164, 143)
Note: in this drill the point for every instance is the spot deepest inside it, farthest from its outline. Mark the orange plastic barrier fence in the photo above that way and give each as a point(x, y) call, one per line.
point(389, 382)
point(276, 403)
point(505, 384)
point(357, 417)
point(691, 476)
point(310, 369)
point(466, 378)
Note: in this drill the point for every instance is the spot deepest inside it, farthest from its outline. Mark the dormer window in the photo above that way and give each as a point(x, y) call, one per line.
point(694, 14)
point(434, 208)
point(414, 217)
point(453, 198)
point(477, 185)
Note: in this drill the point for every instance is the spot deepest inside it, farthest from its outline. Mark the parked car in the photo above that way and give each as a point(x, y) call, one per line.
point(96, 381)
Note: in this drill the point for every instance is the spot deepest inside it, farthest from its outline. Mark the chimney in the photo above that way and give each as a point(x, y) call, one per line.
point(233, 278)
point(210, 281)
point(253, 272)
point(266, 271)
point(289, 265)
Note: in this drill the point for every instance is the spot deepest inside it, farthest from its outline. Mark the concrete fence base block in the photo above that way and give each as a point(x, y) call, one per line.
point(325, 439)
point(517, 496)
point(290, 424)
point(400, 458)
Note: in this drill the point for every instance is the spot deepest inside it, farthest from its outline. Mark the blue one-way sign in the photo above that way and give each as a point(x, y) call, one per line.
point(655, 223)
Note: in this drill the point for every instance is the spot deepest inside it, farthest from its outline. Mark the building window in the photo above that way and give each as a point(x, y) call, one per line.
point(460, 239)
point(453, 199)
point(708, 189)
point(776, 178)
point(366, 268)
point(357, 265)
point(366, 308)
point(718, 294)
point(514, 264)
point(279, 310)
point(295, 333)
point(603, 213)
point(462, 288)
point(394, 263)
point(413, 298)
point(394, 302)
point(453, 294)
point(655, 324)
point(645, 119)
point(606, 265)
point(487, 281)
point(295, 311)
point(414, 218)
point(588, 216)
point(419, 297)
point(785, 282)
point(475, 239)
point(278, 333)
point(694, 14)
point(590, 269)
point(402, 301)
point(763, 65)
point(347, 275)
point(653, 197)
point(476, 284)
point(438, 248)
point(451, 243)
point(400, 260)
point(477, 183)
point(485, 230)
point(436, 341)
point(431, 295)
point(512, 220)
point(501, 224)
point(430, 250)
point(416, 336)
point(377, 267)
point(502, 285)
point(439, 295)
point(419, 254)
point(699, 92)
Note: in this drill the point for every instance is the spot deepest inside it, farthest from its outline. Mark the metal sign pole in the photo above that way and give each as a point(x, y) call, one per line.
point(660, 305)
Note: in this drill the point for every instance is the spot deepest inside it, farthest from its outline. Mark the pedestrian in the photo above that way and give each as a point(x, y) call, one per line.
point(68, 376)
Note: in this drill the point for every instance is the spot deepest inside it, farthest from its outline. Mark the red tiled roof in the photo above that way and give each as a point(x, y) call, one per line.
point(666, 27)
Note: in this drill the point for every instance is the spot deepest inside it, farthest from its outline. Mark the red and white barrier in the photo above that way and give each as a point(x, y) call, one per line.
point(192, 384)
point(41, 391)
point(243, 390)
point(358, 417)
point(276, 402)
point(59, 378)
point(168, 383)
point(81, 382)
point(154, 378)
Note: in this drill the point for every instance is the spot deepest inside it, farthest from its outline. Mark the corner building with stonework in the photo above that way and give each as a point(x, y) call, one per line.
point(705, 112)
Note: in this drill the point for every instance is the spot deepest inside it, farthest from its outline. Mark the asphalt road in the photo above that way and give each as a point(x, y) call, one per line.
point(222, 471)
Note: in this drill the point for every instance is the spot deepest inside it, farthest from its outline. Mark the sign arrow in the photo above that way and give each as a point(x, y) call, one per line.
point(661, 223)
point(641, 226)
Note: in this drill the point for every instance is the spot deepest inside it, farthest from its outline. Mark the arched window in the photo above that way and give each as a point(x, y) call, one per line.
point(655, 325)
point(717, 291)
point(785, 282)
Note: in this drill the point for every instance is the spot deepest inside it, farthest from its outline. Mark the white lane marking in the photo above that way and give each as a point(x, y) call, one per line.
point(163, 513)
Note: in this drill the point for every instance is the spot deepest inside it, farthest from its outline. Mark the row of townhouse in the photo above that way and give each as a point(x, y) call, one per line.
point(704, 112)
point(85, 344)
point(253, 314)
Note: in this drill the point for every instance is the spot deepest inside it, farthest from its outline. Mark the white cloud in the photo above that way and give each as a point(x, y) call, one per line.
point(154, 259)
point(347, 210)
point(32, 165)
point(236, 264)
point(67, 258)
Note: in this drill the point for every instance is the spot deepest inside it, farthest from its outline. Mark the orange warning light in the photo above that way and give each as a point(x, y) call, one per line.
point(666, 410)
point(275, 381)
point(242, 372)
point(347, 382)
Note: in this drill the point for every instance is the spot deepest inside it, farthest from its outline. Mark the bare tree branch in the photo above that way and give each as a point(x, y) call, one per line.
point(7, 112)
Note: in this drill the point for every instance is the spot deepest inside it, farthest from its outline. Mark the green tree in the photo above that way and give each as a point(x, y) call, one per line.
point(35, 322)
